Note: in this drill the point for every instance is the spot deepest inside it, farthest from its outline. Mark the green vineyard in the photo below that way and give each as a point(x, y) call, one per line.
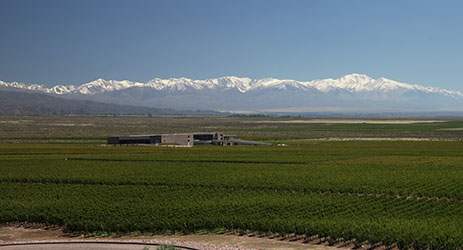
point(407, 194)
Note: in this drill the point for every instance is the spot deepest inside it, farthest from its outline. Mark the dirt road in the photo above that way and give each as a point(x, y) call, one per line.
point(203, 242)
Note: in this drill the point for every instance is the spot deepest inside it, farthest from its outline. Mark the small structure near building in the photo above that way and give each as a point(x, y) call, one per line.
point(181, 140)
point(236, 142)
point(208, 137)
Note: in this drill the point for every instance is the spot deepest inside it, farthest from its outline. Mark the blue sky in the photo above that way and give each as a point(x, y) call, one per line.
point(72, 42)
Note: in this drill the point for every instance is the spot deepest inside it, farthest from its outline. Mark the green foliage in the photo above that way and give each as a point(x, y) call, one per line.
point(166, 247)
point(318, 188)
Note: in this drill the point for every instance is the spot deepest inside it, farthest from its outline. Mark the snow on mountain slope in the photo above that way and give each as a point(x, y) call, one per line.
point(101, 85)
point(353, 83)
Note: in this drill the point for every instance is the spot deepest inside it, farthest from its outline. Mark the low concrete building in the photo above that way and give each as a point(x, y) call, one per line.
point(178, 139)
point(208, 136)
point(174, 139)
point(135, 139)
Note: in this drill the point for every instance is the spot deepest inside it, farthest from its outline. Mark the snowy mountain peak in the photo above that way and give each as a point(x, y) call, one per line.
point(355, 78)
point(233, 82)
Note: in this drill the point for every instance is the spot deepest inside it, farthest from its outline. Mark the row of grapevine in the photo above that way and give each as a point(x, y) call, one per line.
point(419, 176)
point(154, 209)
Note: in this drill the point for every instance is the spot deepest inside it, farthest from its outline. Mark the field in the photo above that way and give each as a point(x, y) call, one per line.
point(399, 193)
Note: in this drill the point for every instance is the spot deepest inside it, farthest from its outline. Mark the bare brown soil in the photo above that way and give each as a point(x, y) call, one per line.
point(95, 129)
point(15, 234)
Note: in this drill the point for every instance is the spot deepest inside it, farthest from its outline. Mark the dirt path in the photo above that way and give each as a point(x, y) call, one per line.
point(9, 234)
point(346, 121)
point(378, 139)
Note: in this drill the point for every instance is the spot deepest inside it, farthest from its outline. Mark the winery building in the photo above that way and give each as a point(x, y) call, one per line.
point(180, 140)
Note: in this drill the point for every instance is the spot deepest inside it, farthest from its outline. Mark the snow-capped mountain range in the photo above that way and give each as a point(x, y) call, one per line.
point(352, 83)
point(232, 93)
